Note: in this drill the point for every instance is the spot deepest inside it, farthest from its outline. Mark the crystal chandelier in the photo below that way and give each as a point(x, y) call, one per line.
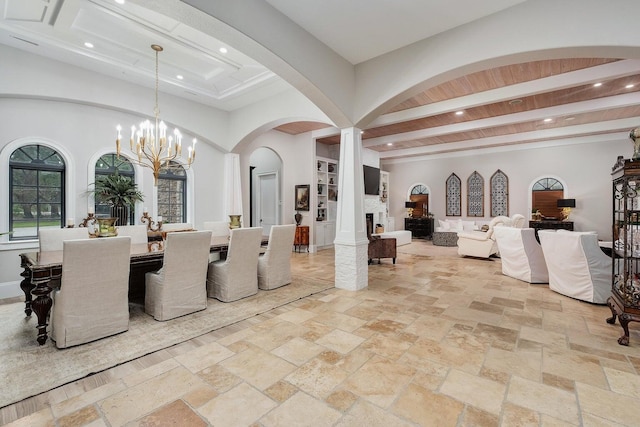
point(150, 142)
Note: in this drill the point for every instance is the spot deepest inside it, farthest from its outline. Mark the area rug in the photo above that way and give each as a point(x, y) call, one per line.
point(426, 248)
point(27, 369)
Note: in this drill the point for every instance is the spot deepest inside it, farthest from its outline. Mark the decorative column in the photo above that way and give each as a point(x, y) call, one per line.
point(232, 185)
point(351, 244)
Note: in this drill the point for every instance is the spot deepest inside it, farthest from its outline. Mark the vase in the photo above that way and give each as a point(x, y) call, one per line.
point(298, 218)
point(106, 227)
point(234, 221)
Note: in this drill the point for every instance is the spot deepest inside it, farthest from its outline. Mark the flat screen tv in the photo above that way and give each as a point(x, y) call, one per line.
point(371, 180)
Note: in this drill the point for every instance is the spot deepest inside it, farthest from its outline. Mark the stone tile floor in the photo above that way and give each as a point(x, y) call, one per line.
point(433, 341)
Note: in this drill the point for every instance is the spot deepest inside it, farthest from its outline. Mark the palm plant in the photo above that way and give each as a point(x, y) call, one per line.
point(118, 191)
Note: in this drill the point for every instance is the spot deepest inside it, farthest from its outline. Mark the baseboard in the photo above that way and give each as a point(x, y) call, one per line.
point(10, 290)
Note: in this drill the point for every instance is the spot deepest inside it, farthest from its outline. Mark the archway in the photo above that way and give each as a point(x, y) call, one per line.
point(265, 188)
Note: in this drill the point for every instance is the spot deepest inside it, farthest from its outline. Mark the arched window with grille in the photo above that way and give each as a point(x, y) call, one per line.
point(545, 193)
point(499, 194)
point(475, 195)
point(110, 164)
point(36, 190)
point(172, 193)
point(454, 195)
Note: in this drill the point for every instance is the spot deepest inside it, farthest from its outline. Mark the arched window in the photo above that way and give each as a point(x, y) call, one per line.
point(172, 193)
point(499, 194)
point(475, 195)
point(110, 164)
point(36, 191)
point(420, 195)
point(454, 195)
point(544, 197)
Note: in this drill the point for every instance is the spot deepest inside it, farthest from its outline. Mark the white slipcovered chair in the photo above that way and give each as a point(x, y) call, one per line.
point(236, 277)
point(179, 287)
point(521, 254)
point(92, 301)
point(51, 238)
point(177, 226)
point(274, 267)
point(482, 244)
point(138, 233)
point(577, 266)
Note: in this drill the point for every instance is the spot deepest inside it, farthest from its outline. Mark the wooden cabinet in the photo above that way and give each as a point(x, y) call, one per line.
point(624, 301)
point(550, 225)
point(419, 227)
point(301, 237)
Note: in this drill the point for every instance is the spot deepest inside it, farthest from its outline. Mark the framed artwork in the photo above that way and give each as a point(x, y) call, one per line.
point(302, 197)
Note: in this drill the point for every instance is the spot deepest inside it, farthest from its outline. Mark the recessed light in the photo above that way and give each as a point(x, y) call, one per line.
point(547, 120)
point(361, 132)
point(120, 1)
point(597, 84)
point(459, 113)
point(89, 45)
point(569, 118)
point(223, 50)
point(629, 86)
point(179, 77)
point(389, 143)
point(515, 102)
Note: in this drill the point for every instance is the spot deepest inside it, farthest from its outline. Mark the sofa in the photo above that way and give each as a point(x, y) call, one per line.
point(482, 244)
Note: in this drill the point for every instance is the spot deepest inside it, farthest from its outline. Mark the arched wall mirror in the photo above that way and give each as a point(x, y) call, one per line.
point(545, 194)
point(419, 193)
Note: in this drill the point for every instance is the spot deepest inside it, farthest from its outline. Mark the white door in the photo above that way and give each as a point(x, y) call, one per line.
point(267, 212)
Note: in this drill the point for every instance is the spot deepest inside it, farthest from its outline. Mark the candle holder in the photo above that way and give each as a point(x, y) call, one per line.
point(90, 222)
point(151, 224)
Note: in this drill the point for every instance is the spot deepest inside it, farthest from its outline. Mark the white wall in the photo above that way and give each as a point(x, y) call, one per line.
point(585, 168)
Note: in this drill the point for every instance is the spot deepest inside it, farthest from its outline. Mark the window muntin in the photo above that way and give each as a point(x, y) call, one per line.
point(172, 193)
point(36, 191)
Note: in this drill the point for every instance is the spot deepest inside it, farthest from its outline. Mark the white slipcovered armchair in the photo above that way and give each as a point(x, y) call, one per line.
point(521, 254)
point(482, 244)
point(274, 267)
point(577, 266)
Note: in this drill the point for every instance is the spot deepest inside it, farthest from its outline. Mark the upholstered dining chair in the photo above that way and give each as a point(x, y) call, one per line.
point(92, 301)
point(218, 229)
point(179, 287)
point(138, 233)
point(236, 277)
point(51, 239)
point(521, 254)
point(577, 266)
point(274, 266)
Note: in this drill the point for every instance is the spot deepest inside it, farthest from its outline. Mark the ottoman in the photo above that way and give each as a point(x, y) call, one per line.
point(445, 238)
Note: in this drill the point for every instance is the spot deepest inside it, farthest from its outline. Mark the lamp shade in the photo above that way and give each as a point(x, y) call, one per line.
point(566, 203)
point(410, 205)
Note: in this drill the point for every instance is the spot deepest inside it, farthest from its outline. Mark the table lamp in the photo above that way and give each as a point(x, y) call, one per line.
point(566, 205)
point(410, 206)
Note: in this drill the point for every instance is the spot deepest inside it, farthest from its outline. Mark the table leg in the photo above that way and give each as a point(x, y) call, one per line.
point(42, 307)
point(26, 286)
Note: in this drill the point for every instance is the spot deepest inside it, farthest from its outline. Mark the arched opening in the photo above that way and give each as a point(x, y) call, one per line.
point(265, 200)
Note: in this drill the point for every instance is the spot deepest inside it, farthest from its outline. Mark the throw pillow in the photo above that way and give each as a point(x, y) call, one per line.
point(444, 224)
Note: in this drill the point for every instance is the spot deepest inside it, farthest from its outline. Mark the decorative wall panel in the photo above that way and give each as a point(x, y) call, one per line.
point(499, 194)
point(454, 195)
point(475, 195)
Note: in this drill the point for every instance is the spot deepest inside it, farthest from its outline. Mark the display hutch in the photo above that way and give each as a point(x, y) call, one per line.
point(624, 301)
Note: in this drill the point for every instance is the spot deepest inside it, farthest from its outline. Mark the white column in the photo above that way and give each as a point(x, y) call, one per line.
point(351, 243)
point(232, 185)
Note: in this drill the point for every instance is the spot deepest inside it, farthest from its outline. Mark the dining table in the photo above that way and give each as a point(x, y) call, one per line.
point(42, 268)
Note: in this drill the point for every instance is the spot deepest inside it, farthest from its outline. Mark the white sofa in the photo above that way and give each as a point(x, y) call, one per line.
point(483, 244)
point(456, 225)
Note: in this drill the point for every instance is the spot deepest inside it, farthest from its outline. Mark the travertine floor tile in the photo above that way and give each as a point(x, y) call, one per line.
point(545, 399)
point(301, 410)
point(175, 413)
point(608, 405)
point(240, 406)
point(427, 408)
point(204, 356)
point(298, 351)
point(258, 367)
point(317, 378)
point(479, 392)
point(340, 341)
point(366, 414)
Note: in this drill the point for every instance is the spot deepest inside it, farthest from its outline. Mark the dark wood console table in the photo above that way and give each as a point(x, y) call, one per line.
point(419, 227)
point(550, 225)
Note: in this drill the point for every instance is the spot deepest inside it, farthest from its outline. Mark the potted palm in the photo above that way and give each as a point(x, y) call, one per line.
point(120, 192)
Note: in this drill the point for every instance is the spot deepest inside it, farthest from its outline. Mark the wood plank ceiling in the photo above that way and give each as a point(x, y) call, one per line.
point(574, 105)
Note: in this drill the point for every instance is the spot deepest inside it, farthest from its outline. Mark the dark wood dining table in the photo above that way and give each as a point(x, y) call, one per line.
point(40, 268)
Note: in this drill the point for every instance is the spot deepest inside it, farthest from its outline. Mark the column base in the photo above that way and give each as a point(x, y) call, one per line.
point(352, 269)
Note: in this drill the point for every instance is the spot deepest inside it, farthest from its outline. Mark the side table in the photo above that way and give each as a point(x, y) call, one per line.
point(301, 237)
point(445, 238)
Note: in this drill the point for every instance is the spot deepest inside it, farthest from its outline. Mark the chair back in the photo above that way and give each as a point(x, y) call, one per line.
point(521, 254)
point(51, 239)
point(93, 301)
point(218, 228)
point(138, 233)
point(178, 226)
point(577, 266)
point(244, 246)
point(186, 257)
point(274, 266)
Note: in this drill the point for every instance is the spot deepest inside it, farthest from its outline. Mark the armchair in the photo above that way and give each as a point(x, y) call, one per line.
point(380, 247)
point(577, 266)
point(483, 244)
point(521, 254)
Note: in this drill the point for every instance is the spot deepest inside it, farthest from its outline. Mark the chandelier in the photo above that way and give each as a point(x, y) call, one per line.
point(150, 142)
